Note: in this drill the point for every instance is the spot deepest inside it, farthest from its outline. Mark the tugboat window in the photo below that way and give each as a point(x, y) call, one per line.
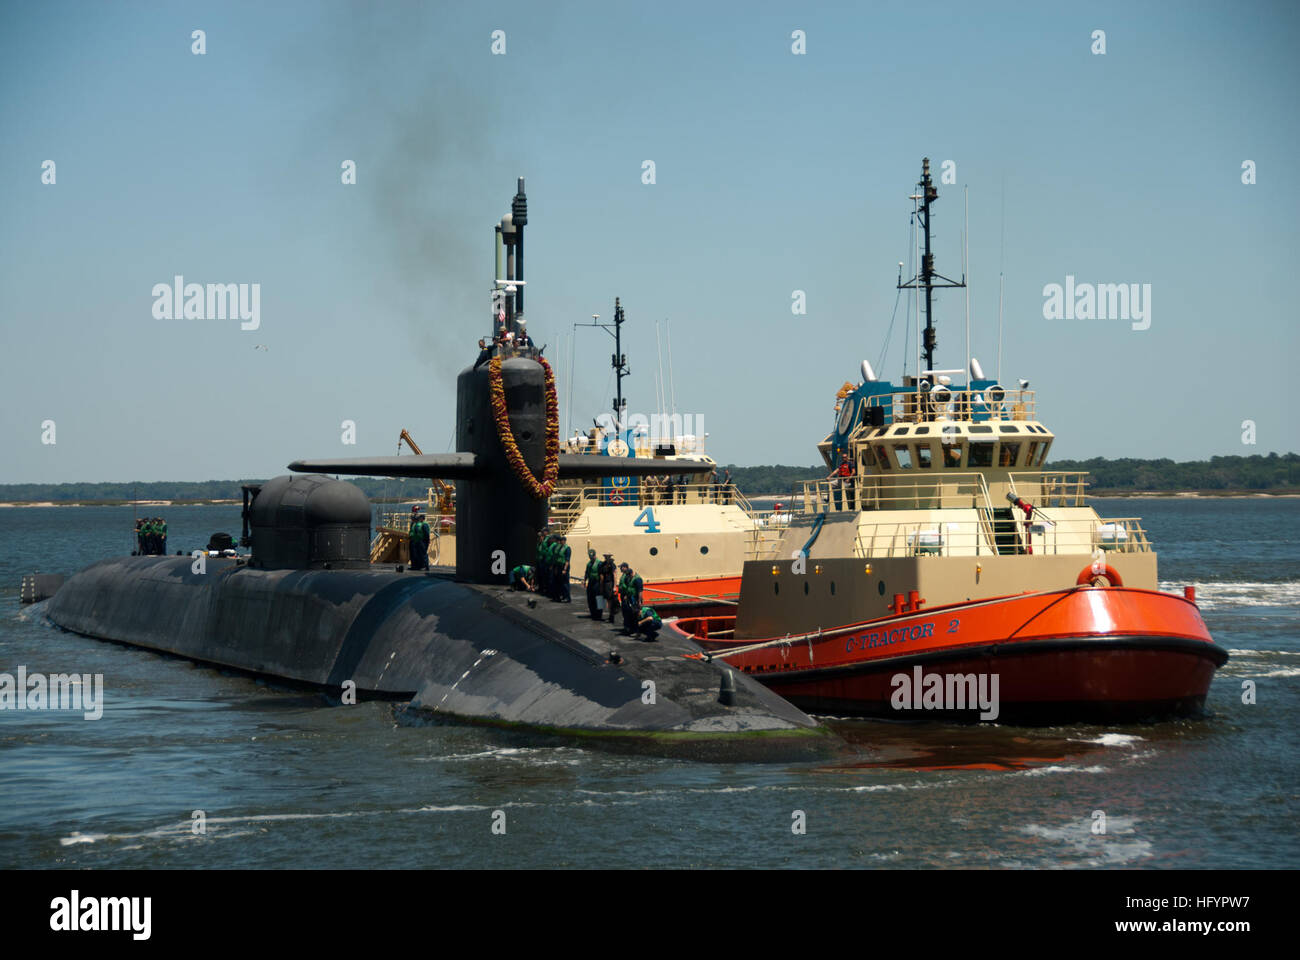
point(882, 455)
point(1009, 428)
point(654, 551)
point(921, 430)
point(981, 455)
point(923, 456)
point(904, 456)
point(704, 549)
point(901, 430)
point(1042, 454)
point(1010, 453)
point(952, 455)
point(880, 588)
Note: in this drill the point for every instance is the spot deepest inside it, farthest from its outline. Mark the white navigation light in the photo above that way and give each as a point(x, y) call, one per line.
point(976, 371)
point(868, 375)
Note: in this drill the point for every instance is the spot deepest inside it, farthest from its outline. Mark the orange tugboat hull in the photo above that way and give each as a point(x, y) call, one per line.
point(1087, 653)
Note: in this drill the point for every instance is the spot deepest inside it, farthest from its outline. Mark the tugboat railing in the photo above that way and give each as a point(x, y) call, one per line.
point(936, 491)
point(568, 503)
point(911, 406)
point(941, 490)
point(1051, 488)
point(972, 538)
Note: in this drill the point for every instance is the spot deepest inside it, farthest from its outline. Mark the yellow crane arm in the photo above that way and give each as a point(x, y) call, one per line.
point(444, 489)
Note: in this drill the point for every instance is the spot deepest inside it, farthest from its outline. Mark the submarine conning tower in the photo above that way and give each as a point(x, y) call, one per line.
point(497, 511)
point(507, 434)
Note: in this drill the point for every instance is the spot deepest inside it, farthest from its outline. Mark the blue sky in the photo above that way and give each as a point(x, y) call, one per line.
point(774, 173)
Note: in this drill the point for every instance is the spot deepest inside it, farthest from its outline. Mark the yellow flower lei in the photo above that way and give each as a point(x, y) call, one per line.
point(501, 415)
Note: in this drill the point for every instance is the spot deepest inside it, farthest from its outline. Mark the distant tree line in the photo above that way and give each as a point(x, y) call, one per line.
point(1273, 473)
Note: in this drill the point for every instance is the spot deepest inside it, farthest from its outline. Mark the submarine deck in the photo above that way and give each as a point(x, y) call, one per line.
point(687, 683)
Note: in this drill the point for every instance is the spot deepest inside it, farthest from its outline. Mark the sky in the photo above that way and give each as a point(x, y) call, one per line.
point(774, 172)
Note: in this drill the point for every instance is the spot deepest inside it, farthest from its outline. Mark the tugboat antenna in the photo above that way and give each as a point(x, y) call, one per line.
point(619, 360)
point(925, 279)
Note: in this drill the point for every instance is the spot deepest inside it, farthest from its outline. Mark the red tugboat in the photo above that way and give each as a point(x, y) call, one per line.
point(940, 572)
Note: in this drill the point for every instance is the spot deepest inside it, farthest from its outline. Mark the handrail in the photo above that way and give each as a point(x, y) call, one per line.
point(912, 406)
point(921, 538)
point(1055, 488)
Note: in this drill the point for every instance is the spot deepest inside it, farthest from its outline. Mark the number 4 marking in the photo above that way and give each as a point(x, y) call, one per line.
point(646, 518)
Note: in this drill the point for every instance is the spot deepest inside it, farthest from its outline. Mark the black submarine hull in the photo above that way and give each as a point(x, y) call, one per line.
point(466, 652)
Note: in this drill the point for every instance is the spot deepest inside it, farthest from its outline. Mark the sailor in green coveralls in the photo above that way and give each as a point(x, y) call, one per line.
point(629, 591)
point(563, 553)
point(521, 578)
point(545, 561)
point(592, 580)
point(419, 542)
point(649, 623)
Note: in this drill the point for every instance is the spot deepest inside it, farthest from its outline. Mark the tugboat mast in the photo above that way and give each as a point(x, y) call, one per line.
point(619, 363)
point(619, 360)
point(927, 276)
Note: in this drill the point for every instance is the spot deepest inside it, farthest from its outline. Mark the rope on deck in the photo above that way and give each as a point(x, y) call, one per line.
point(818, 634)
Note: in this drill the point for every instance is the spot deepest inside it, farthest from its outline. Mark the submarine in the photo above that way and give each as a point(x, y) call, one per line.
point(307, 607)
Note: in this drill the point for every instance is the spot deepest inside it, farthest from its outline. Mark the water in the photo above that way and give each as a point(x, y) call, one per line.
point(285, 778)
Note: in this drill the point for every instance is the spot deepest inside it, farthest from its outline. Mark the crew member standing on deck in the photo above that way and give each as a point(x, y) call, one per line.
point(607, 570)
point(592, 580)
point(539, 559)
point(162, 536)
point(139, 537)
point(629, 590)
point(545, 567)
point(563, 554)
point(418, 537)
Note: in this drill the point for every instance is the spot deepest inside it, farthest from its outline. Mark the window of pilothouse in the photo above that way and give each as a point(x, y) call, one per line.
point(981, 454)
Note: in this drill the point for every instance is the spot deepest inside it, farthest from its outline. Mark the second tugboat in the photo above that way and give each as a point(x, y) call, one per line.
point(940, 557)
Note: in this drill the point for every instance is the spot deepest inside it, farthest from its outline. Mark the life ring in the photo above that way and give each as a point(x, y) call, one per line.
point(1088, 578)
